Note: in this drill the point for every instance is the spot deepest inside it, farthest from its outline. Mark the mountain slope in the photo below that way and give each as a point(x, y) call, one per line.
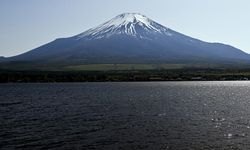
point(2, 58)
point(132, 38)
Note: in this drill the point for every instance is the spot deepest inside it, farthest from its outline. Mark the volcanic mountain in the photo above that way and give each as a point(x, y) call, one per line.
point(132, 38)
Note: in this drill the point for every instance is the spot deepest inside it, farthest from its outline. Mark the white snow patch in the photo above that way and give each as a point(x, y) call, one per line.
point(128, 24)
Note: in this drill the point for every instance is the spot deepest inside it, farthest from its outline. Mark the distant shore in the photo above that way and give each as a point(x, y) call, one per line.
point(122, 76)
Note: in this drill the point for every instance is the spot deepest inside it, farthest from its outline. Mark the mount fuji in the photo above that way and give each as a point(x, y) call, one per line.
point(131, 38)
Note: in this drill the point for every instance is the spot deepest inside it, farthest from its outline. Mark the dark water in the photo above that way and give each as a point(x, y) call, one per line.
point(153, 115)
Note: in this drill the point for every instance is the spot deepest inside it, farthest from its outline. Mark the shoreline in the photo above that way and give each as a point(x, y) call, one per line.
point(8, 76)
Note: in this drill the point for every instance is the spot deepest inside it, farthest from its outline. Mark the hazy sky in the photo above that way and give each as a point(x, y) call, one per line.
point(27, 24)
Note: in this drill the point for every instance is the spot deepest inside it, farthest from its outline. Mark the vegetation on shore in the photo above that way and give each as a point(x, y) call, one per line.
point(124, 75)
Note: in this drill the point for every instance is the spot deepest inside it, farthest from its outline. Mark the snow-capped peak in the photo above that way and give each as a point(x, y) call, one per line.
point(132, 24)
point(133, 18)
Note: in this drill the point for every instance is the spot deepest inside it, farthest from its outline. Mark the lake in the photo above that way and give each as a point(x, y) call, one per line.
point(125, 115)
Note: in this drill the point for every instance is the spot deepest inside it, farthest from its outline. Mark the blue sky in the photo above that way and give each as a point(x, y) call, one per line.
point(27, 24)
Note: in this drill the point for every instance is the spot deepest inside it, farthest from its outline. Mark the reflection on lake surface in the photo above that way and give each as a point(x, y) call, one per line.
point(139, 115)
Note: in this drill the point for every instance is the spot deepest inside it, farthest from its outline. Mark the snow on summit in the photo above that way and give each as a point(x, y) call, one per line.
point(131, 24)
